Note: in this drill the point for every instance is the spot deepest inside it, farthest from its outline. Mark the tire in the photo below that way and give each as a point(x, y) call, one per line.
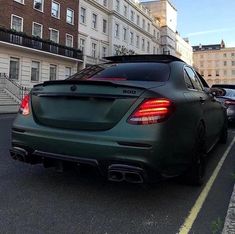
point(224, 133)
point(197, 170)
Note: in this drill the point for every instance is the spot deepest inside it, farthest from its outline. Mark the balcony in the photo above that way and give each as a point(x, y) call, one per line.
point(21, 39)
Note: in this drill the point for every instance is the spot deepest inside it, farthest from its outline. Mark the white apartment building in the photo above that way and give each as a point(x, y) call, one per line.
point(113, 27)
point(184, 50)
point(215, 63)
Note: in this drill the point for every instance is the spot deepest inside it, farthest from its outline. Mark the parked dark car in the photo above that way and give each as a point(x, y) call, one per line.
point(136, 118)
point(228, 99)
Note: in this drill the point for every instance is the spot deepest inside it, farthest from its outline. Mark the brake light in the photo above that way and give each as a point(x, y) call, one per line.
point(229, 102)
point(152, 111)
point(24, 106)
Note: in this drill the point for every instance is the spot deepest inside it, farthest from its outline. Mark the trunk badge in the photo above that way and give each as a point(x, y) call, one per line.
point(73, 88)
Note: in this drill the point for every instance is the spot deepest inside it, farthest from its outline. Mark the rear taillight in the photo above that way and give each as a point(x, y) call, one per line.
point(24, 106)
point(152, 111)
point(229, 102)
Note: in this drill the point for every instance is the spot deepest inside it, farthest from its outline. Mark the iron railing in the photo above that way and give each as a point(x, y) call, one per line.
point(19, 38)
point(15, 89)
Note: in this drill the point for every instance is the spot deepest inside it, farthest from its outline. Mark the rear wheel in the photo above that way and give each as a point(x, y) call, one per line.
point(197, 170)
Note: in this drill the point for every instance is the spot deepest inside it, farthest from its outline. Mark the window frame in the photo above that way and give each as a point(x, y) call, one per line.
point(58, 9)
point(66, 36)
point(33, 23)
point(39, 69)
point(52, 29)
point(69, 9)
point(22, 20)
point(38, 9)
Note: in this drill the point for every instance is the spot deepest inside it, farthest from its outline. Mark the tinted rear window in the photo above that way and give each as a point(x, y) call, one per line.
point(141, 71)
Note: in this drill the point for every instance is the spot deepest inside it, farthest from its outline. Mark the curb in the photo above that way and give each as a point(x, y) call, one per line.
point(229, 224)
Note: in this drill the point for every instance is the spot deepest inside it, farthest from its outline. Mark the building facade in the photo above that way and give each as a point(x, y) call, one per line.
point(184, 50)
point(116, 27)
point(38, 40)
point(215, 63)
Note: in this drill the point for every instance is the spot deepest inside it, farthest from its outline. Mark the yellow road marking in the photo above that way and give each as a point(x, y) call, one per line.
point(185, 228)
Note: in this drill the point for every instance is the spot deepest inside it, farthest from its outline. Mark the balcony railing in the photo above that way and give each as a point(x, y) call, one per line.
point(19, 38)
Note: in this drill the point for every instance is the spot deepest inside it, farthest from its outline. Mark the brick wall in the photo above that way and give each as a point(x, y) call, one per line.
point(30, 15)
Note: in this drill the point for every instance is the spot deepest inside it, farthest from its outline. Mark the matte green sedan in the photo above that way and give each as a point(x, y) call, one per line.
point(135, 118)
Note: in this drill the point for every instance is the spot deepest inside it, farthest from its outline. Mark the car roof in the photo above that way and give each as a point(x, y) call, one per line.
point(144, 58)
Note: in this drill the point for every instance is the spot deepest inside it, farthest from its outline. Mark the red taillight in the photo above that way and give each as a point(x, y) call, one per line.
point(24, 106)
point(229, 102)
point(152, 111)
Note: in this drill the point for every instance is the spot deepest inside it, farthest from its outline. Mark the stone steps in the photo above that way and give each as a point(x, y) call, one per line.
point(7, 103)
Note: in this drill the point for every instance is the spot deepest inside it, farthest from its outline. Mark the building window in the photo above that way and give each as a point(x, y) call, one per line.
point(225, 55)
point(233, 72)
point(70, 16)
point(232, 54)
point(143, 44)
point(131, 38)
point(225, 72)
point(116, 30)
point(137, 41)
point(233, 63)
point(132, 15)
point(14, 68)
point(148, 27)
point(83, 15)
point(94, 21)
point(154, 50)
point(53, 72)
point(38, 5)
point(93, 49)
point(117, 5)
point(138, 20)
point(68, 72)
point(148, 47)
point(154, 33)
point(105, 3)
point(143, 23)
point(225, 63)
point(104, 26)
point(217, 72)
point(124, 34)
point(16, 23)
point(54, 35)
point(55, 9)
point(82, 45)
point(69, 40)
point(104, 51)
point(125, 11)
point(37, 30)
point(19, 1)
point(35, 68)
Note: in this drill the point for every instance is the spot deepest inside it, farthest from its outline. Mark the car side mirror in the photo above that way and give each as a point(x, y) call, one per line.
point(217, 92)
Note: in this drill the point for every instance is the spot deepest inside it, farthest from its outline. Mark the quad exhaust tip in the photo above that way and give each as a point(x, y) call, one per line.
point(119, 173)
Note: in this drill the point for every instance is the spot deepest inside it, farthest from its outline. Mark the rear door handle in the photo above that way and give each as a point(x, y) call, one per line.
point(202, 100)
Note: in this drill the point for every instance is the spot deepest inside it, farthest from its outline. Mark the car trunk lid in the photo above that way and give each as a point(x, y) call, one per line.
point(85, 105)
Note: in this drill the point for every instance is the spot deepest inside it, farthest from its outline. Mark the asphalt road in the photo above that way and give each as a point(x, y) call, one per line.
point(38, 200)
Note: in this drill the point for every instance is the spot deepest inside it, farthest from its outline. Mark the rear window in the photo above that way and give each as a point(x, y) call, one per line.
point(142, 71)
point(230, 93)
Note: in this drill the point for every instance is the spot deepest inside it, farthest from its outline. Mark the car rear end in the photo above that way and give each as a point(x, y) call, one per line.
point(229, 101)
point(108, 116)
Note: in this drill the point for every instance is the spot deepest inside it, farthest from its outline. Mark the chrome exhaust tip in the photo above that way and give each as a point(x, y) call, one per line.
point(134, 177)
point(122, 172)
point(116, 176)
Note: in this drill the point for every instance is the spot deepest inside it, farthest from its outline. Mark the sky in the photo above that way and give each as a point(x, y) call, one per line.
point(206, 21)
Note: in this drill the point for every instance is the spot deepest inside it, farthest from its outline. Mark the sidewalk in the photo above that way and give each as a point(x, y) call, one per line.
point(229, 224)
